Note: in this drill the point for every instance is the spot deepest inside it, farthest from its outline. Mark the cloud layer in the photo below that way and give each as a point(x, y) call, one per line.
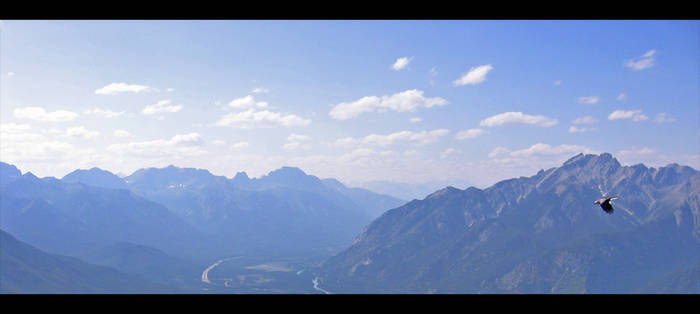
point(297, 141)
point(40, 114)
point(247, 102)
point(470, 133)
point(588, 100)
point(476, 75)
point(418, 138)
point(518, 118)
point(634, 115)
point(176, 147)
point(644, 62)
point(115, 88)
point(251, 119)
point(401, 63)
point(406, 101)
point(161, 107)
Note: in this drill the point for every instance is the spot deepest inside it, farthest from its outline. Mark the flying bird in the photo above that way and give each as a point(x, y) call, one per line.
point(605, 204)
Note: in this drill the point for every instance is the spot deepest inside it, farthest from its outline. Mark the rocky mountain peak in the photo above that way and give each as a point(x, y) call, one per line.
point(443, 192)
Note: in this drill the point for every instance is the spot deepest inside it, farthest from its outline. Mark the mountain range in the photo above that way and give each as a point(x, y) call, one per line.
point(158, 228)
point(286, 211)
point(186, 216)
point(538, 234)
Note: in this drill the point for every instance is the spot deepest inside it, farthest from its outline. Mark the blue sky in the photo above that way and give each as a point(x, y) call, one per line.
point(406, 101)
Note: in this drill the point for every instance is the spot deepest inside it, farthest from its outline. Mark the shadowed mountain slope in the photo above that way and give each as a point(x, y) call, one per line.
point(538, 234)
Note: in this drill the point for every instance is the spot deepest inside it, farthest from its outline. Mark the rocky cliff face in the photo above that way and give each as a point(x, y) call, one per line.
point(538, 234)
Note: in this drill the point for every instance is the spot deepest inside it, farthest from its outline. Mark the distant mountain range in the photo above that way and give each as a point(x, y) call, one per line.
point(74, 218)
point(164, 224)
point(286, 211)
point(408, 191)
point(538, 234)
point(185, 212)
point(160, 227)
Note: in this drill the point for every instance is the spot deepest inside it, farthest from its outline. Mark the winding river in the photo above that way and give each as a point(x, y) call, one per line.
point(315, 281)
point(205, 273)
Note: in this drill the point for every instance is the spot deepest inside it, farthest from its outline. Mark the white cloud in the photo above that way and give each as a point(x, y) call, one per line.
point(433, 73)
point(652, 158)
point(418, 138)
point(588, 100)
point(498, 151)
point(20, 145)
point(406, 101)
point(664, 117)
point(638, 151)
point(637, 155)
point(557, 83)
point(105, 113)
point(178, 146)
point(115, 88)
point(446, 153)
point(517, 117)
point(297, 138)
point(261, 90)
point(355, 155)
point(246, 102)
point(649, 54)
point(14, 127)
point(297, 141)
point(476, 75)
point(575, 129)
point(401, 63)
point(644, 62)
point(160, 106)
point(10, 74)
point(251, 118)
point(122, 133)
point(81, 132)
point(170, 90)
point(546, 149)
point(40, 114)
point(585, 120)
point(240, 145)
point(470, 133)
point(635, 115)
point(621, 97)
point(415, 119)
point(187, 139)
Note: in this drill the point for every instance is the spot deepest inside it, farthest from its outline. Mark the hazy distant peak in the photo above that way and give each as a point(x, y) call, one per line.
point(30, 175)
point(173, 169)
point(241, 175)
point(8, 173)
point(91, 170)
point(288, 171)
point(290, 177)
point(95, 177)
